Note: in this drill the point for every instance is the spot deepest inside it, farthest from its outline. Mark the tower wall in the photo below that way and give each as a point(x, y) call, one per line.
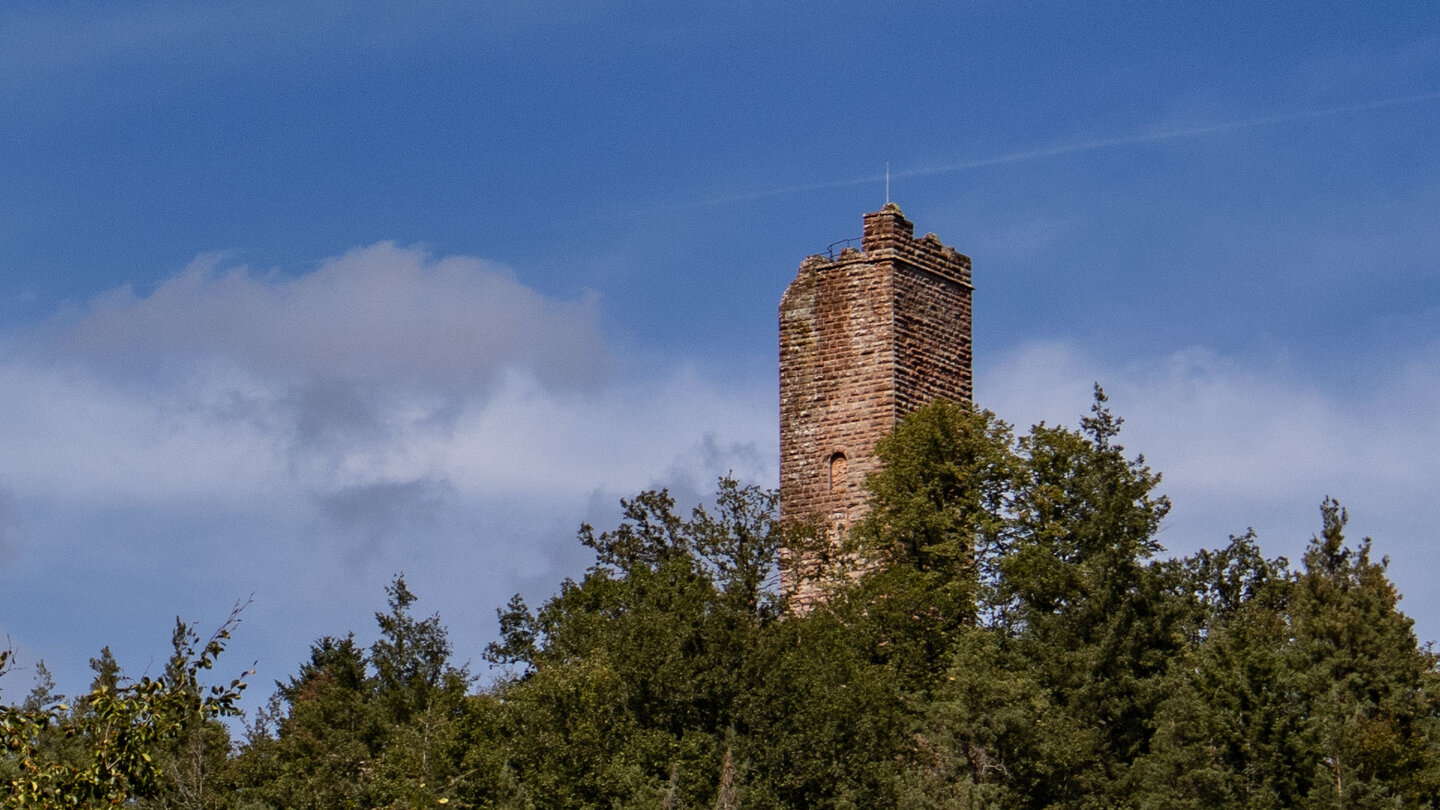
point(865, 338)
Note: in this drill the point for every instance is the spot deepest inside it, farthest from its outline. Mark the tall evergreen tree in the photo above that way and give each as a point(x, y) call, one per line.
point(352, 729)
point(1310, 692)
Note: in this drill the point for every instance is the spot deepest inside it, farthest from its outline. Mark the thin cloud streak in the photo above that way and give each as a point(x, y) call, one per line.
point(1167, 135)
point(1065, 149)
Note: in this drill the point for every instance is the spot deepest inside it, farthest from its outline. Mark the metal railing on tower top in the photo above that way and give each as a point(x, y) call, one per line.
point(851, 242)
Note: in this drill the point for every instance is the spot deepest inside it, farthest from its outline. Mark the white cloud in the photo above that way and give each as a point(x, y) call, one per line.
point(384, 316)
point(382, 369)
point(226, 380)
point(306, 437)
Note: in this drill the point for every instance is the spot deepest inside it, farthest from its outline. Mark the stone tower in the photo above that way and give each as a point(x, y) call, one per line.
point(866, 337)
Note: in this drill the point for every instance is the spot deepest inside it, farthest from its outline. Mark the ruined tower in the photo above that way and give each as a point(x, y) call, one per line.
point(866, 336)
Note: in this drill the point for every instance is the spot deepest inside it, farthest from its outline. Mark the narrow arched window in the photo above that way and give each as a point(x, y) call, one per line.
point(838, 470)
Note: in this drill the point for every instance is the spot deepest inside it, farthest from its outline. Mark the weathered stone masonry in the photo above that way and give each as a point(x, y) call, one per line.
point(865, 338)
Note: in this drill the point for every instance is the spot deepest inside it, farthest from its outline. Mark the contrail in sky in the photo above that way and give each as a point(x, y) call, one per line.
point(1083, 146)
point(1020, 157)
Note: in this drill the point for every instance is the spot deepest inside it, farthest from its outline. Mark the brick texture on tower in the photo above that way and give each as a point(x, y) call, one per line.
point(866, 337)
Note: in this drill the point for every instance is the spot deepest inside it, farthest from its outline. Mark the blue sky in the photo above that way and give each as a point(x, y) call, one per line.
point(294, 296)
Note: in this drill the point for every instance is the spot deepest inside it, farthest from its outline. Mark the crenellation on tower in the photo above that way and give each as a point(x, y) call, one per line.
point(865, 338)
point(886, 228)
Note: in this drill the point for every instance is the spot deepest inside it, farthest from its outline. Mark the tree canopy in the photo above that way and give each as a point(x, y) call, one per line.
point(1012, 638)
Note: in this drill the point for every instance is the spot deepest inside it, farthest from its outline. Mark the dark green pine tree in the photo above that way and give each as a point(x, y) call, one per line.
point(1307, 690)
point(326, 731)
point(1226, 735)
point(1371, 730)
point(383, 729)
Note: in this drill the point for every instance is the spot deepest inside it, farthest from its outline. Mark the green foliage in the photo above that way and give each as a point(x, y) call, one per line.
point(1308, 691)
point(1011, 639)
point(1014, 600)
point(357, 729)
point(1091, 675)
point(824, 722)
point(632, 680)
point(113, 745)
point(943, 497)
